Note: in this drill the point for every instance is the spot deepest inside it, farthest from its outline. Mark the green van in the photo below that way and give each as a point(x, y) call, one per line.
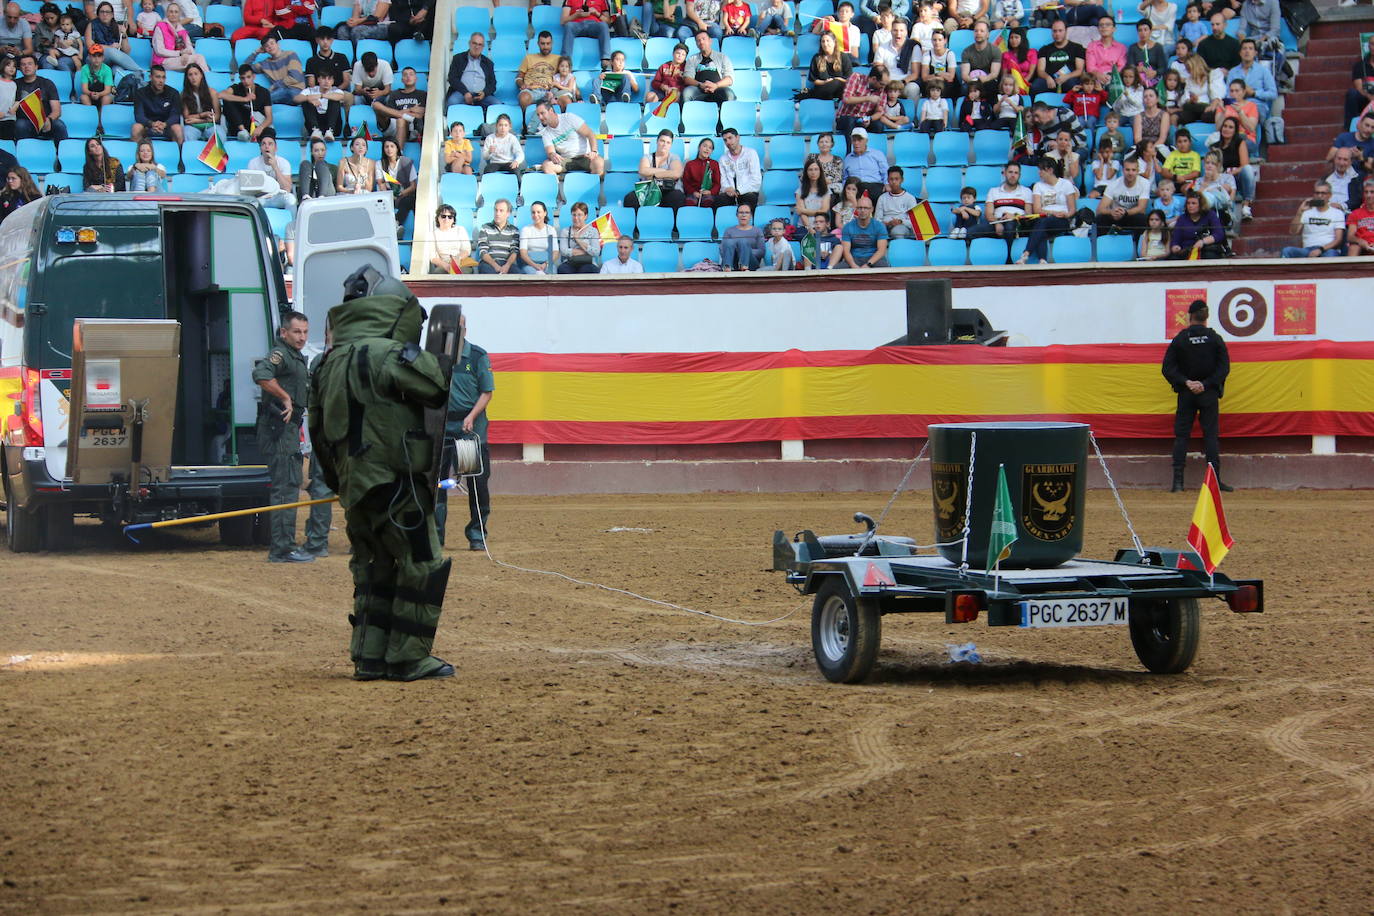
point(208, 262)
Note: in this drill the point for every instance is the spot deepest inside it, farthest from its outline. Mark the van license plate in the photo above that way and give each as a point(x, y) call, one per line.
point(91, 439)
point(1075, 612)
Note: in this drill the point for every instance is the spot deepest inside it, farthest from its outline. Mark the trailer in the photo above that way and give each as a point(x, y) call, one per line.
point(859, 578)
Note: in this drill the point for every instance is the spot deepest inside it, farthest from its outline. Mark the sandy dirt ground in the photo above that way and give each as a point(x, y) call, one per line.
point(180, 733)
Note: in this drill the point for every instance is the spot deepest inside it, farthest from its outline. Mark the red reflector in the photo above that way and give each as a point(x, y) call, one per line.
point(966, 608)
point(1244, 600)
point(876, 576)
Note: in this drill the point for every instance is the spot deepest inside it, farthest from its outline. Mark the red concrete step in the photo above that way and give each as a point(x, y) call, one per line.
point(1288, 188)
point(1299, 134)
point(1300, 115)
point(1326, 64)
point(1335, 83)
point(1344, 45)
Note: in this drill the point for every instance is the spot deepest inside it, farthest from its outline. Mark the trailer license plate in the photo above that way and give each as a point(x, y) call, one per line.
point(90, 439)
point(1074, 612)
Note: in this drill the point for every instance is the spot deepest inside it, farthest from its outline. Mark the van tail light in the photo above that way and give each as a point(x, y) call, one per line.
point(28, 421)
point(1248, 598)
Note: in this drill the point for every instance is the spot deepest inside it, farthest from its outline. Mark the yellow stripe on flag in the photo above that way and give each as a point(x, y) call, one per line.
point(214, 154)
point(923, 221)
point(1208, 534)
point(606, 228)
point(841, 33)
point(1021, 85)
point(1194, 253)
point(668, 101)
point(33, 108)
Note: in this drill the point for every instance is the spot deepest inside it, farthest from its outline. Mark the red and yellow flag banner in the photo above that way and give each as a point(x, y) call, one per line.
point(841, 33)
point(1281, 388)
point(669, 101)
point(214, 154)
point(923, 221)
point(1208, 534)
point(33, 108)
point(606, 228)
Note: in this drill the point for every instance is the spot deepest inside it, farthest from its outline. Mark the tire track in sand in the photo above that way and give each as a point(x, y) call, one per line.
point(874, 754)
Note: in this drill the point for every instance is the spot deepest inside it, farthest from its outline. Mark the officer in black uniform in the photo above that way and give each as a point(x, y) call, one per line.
point(470, 391)
point(283, 376)
point(1196, 365)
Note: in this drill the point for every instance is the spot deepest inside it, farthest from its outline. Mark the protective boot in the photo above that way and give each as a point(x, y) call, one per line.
point(371, 620)
point(414, 620)
point(1178, 481)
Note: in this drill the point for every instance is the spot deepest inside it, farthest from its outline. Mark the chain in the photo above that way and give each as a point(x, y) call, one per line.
point(968, 501)
point(1117, 495)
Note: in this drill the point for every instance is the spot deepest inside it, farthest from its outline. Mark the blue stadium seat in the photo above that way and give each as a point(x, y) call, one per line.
point(654, 223)
point(959, 40)
point(943, 184)
point(141, 50)
point(221, 81)
point(1039, 37)
point(624, 118)
point(288, 120)
point(61, 79)
point(725, 218)
point(381, 48)
point(81, 120)
point(586, 54)
point(510, 20)
point(765, 214)
point(634, 52)
point(1070, 249)
point(218, 52)
point(538, 186)
point(231, 17)
point(814, 9)
point(469, 19)
point(906, 253)
point(582, 186)
point(332, 16)
point(778, 116)
point(189, 183)
point(625, 153)
point(776, 52)
point(987, 251)
point(39, 156)
point(817, 116)
point(278, 219)
point(784, 84)
point(742, 52)
point(545, 19)
point(118, 120)
point(69, 180)
point(168, 154)
point(511, 111)
point(695, 223)
point(779, 186)
point(123, 150)
point(615, 185)
point(911, 149)
point(1115, 248)
point(755, 143)
point(358, 115)
point(494, 185)
point(658, 51)
point(1018, 248)
point(950, 147)
point(589, 112)
point(696, 252)
point(807, 46)
point(458, 191)
point(739, 115)
point(534, 152)
point(700, 118)
point(470, 115)
point(982, 177)
point(991, 147)
point(748, 86)
point(659, 257)
point(670, 121)
point(787, 153)
point(506, 52)
point(239, 154)
point(624, 217)
point(947, 252)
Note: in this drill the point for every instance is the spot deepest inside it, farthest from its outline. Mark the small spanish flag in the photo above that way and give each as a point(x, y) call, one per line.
point(606, 227)
point(390, 178)
point(923, 221)
point(1021, 85)
point(214, 154)
point(364, 133)
point(1001, 42)
point(33, 108)
point(1194, 253)
point(669, 101)
point(1208, 534)
point(841, 33)
point(453, 267)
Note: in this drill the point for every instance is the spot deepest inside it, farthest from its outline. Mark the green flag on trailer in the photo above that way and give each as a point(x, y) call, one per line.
point(1002, 534)
point(1115, 87)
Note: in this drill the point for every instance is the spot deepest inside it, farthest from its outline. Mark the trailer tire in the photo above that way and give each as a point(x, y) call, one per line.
point(845, 632)
point(1165, 633)
point(237, 531)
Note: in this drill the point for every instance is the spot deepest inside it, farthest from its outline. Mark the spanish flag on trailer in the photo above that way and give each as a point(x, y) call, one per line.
point(33, 108)
point(1208, 534)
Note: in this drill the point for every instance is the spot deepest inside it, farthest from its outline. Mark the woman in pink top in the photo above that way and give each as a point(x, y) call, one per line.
point(172, 45)
point(1019, 57)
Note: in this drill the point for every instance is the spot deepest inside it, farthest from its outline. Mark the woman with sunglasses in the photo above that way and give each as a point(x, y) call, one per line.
point(452, 246)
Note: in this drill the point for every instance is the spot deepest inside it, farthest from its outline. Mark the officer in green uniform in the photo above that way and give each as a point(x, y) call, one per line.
point(317, 523)
point(367, 403)
point(283, 377)
point(469, 393)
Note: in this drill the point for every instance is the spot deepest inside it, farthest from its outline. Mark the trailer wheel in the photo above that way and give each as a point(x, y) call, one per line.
point(23, 528)
point(1165, 633)
point(845, 633)
point(237, 531)
point(59, 530)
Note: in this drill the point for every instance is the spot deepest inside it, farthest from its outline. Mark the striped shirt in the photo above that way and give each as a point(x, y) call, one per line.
point(499, 243)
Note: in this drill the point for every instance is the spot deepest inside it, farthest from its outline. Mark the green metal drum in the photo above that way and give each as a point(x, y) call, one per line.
point(1047, 470)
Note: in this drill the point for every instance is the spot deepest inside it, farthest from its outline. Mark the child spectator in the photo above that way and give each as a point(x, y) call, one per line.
point(1154, 241)
point(1105, 169)
point(934, 109)
point(777, 251)
point(966, 214)
point(775, 19)
point(147, 19)
point(458, 149)
point(1168, 202)
point(1131, 102)
point(668, 77)
point(65, 53)
point(617, 83)
point(1112, 132)
point(1086, 100)
point(1007, 14)
point(1184, 164)
point(565, 89)
point(1194, 28)
point(1008, 107)
point(974, 113)
point(735, 16)
point(1171, 98)
point(891, 116)
point(501, 150)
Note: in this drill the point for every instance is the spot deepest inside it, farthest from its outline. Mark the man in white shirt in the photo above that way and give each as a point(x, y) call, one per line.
point(276, 168)
point(1342, 180)
point(569, 143)
point(622, 263)
point(894, 205)
point(1006, 203)
point(1125, 202)
point(741, 176)
point(1322, 227)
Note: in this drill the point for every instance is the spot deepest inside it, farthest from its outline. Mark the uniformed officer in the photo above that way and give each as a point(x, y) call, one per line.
point(469, 393)
point(367, 424)
point(283, 377)
point(1196, 365)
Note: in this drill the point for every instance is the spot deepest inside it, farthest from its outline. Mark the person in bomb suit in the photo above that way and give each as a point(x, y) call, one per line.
point(367, 402)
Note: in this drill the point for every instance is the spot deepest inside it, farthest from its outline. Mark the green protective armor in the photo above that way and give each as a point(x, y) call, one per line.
point(367, 401)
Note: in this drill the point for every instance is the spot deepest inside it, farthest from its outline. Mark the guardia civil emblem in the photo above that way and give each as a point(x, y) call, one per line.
point(948, 480)
point(1047, 499)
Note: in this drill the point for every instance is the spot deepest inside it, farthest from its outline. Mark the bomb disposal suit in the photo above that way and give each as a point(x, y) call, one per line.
point(367, 401)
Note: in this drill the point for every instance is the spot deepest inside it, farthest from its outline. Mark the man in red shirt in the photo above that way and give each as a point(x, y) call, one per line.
point(588, 19)
point(860, 99)
point(1359, 225)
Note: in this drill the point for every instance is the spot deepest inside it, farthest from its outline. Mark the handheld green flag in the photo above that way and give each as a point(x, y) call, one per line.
point(648, 193)
point(1115, 87)
point(1002, 533)
point(808, 247)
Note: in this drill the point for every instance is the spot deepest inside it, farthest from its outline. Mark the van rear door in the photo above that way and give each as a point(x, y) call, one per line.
point(334, 237)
